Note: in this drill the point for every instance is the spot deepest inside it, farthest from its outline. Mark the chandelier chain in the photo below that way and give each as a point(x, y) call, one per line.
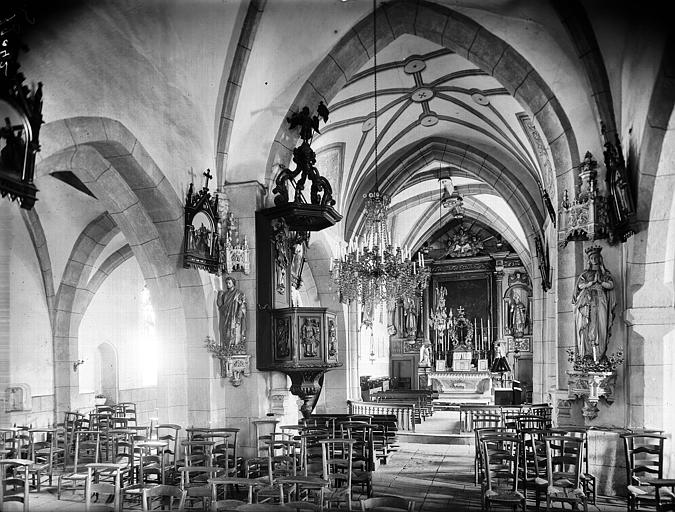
point(377, 181)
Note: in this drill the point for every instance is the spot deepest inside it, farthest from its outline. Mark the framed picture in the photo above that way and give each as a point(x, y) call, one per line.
point(440, 366)
point(482, 365)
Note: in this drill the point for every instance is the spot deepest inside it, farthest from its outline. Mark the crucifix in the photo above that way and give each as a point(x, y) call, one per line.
point(208, 177)
point(192, 175)
point(460, 311)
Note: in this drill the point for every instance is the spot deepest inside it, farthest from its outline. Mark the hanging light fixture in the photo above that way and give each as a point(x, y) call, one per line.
point(371, 269)
point(452, 199)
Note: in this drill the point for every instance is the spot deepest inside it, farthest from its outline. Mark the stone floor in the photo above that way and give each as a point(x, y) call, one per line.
point(438, 477)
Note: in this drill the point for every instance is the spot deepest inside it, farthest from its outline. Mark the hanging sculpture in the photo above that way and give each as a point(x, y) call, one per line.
point(20, 114)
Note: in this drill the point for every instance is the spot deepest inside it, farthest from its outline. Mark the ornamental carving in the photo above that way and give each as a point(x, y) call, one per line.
point(585, 217)
point(464, 244)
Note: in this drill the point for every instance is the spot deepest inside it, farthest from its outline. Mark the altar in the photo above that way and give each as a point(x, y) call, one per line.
point(462, 387)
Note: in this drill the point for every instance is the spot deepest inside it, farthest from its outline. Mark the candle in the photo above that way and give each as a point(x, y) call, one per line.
point(481, 332)
point(489, 333)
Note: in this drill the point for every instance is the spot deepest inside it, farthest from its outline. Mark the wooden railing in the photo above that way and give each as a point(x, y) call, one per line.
point(405, 413)
point(422, 399)
point(467, 411)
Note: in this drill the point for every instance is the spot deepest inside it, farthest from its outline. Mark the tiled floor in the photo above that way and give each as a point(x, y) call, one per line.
point(439, 477)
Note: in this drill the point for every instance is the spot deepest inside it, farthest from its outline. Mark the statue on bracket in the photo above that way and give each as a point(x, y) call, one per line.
point(231, 304)
point(234, 361)
point(517, 306)
point(594, 302)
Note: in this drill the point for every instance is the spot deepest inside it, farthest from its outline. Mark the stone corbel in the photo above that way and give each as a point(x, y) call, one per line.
point(590, 387)
point(234, 367)
point(278, 399)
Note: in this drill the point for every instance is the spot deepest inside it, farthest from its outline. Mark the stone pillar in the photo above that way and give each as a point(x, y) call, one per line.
point(5, 255)
point(253, 399)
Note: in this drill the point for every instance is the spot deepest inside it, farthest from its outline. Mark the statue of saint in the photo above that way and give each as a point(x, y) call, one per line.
point(518, 316)
point(309, 335)
point(594, 302)
point(425, 354)
point(231, 304)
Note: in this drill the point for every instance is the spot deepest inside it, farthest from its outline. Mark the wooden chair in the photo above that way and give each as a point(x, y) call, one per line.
point(644, 463)
point(167, 495)
point(479, 421)
point(170, 432)
point(533, 466)
point(14, 485)
point(337, 470)
point(501, 458)
point(194, 481)
point(363, 463)
point(664, 492)
point(393, 503)
point(87, 450)
point(103, 492)
point(564, 463)
point(43, 453)
point(587, 478)
point(219, 499)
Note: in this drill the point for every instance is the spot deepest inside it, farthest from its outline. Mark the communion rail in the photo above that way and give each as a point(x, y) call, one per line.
point(405, 413)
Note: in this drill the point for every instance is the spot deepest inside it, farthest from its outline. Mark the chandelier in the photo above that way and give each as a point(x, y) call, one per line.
point(373, 270)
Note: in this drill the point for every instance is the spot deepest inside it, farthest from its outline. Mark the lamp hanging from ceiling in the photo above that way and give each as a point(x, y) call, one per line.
point(452, 200)
point(372, 269)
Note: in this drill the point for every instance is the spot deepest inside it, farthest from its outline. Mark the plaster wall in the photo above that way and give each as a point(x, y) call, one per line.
point(30, 354)
point(96, 57)
point(116, 316)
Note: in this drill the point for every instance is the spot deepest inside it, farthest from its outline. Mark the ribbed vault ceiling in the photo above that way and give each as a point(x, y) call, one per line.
point(429, 93)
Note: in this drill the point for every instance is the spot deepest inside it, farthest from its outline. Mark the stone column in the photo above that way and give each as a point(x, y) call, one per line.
point(5, 254)
point(227, 404)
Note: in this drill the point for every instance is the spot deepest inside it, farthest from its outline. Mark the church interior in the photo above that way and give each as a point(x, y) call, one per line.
point(230, 212)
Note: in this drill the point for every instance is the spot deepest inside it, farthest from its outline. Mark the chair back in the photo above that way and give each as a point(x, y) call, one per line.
point(501, 461)
point(169, 495)
point(393, 503)
point(337, 456)
point(14, 482)
point(564, 460)
point(644, 457)
point(93, 486)
point(531, 422)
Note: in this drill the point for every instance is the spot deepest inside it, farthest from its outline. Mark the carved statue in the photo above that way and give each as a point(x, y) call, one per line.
point(321, 192)
point(463, 244)
point(594, 302)
point(298, 243)
point(517, 315)
point(309, 336)
point(425, 354)
point(231, 304)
